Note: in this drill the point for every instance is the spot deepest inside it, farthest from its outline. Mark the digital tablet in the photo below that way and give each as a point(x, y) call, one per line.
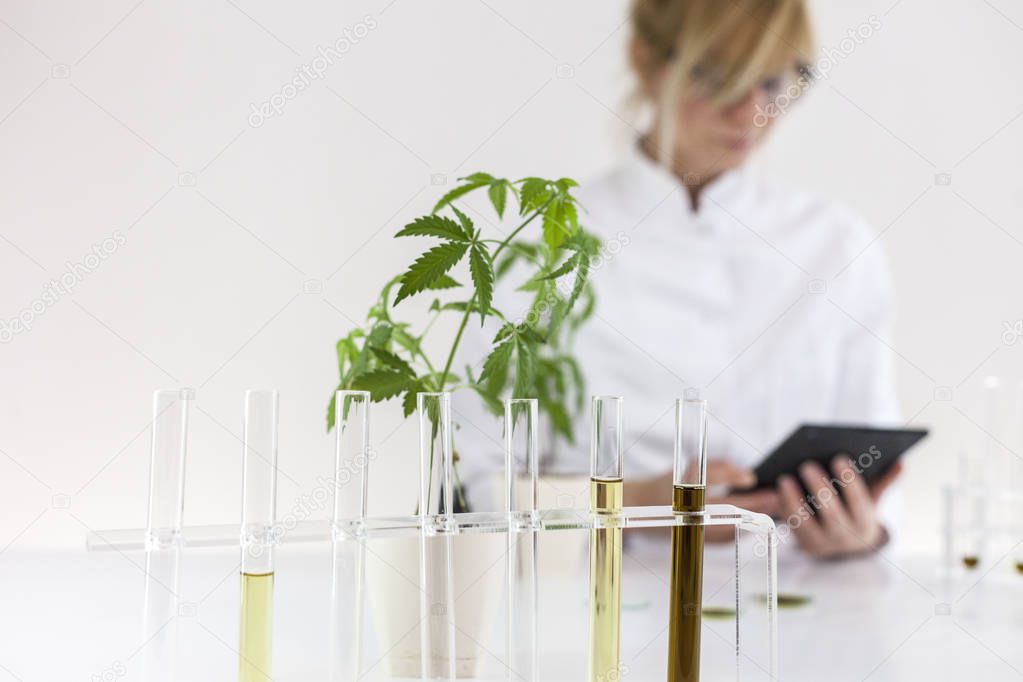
point(872, 451)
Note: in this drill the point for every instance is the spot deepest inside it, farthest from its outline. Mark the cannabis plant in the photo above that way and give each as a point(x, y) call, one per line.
point(529, 356)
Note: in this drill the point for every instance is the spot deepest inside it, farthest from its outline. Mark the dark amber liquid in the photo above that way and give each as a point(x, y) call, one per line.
point(971, 561)
point(685, 617)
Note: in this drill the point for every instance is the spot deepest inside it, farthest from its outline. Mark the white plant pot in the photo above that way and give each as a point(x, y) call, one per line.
point(392, 578)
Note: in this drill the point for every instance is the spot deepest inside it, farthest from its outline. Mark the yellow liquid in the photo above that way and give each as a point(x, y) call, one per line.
point(686, 602)
point(971, 561)
point(256, 633)
point(605, 584)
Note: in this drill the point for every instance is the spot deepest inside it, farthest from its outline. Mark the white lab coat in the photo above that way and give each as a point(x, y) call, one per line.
point(775, 305)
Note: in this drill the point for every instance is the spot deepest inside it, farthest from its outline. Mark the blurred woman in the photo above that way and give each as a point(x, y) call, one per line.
point(721, 280)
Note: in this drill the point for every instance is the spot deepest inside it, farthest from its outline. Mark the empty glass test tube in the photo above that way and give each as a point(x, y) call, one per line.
point(163, 531)
point(351, 478)
point(436, 506)
point(522, 503)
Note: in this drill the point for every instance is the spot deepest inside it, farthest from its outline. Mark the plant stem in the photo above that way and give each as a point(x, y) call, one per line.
point(468, 309)
point(461, 328)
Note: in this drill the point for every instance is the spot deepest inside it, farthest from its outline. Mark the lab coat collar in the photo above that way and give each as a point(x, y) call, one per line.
point(655, 183)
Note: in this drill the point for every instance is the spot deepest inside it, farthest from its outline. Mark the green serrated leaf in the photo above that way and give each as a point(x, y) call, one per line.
point(557, 317)
point(560, 222)
point(361, 361)
point(331, 407)
point(534, 193)
point(505, 263)
point(341, 348)
point(582, 242)
point(556, 373)
point(530, 334)
point(429, 267)
point(408, 402)
point(569, 217)
point(482, 270)
point(562, 270)
point(582, 272)
point(491, 400)
point(589, 306)
point(498, 193)
point(531, 285)
point(504, 332)
point(380, 335)
point(458, 192)
point(578, 383)
point(382, 383)
point(553, 231)
point(462, 306)
point(525, 368)
point(393, 361)
point(479, 178)
point(467, 225)
point(495, 367)
point(560, 420)
point(405, 340)
point(444, 282)
point(434, 226)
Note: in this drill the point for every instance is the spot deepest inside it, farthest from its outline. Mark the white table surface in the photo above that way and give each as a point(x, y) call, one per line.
point(76, 616)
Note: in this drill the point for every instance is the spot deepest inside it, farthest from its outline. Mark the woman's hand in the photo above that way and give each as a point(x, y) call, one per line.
point(723, 474)
point(826, 525)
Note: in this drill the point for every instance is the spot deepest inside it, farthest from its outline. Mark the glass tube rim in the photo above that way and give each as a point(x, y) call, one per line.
point(183, 393)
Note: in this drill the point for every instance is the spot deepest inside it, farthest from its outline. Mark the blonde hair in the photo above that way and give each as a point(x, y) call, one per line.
point(731, 44)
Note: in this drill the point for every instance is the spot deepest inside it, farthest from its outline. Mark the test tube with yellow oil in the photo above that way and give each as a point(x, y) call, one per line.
point(259, 499)
point(605, 587)
point(685, 618)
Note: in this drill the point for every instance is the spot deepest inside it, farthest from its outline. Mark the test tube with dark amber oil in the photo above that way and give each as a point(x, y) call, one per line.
point(605, 543)
point(690, 473)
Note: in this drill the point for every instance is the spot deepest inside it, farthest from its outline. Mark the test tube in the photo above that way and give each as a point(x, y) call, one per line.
point(606, 488)
point(351, 477)
point(971, 521)
point(436, 506)
point(996, 461)
point(522, 455)
point(1017, 479)
point(688, 497)
point(163, 531)
point(259, 500)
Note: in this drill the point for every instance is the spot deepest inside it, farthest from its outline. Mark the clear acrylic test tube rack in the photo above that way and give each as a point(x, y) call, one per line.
point(982, 512)
point(977, 528)
point(526, 640)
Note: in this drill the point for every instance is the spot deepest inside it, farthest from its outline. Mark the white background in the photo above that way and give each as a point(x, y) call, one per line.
point(110, 110)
